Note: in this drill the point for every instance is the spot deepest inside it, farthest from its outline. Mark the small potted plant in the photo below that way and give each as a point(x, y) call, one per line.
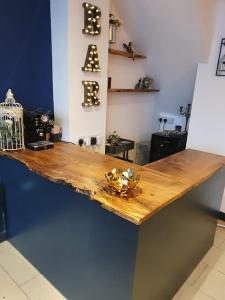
point(114, 23)
point(113, 139)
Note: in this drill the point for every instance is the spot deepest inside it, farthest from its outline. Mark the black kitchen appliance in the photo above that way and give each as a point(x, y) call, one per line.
point(167, 143)
point(40, 145)
point(37, 125)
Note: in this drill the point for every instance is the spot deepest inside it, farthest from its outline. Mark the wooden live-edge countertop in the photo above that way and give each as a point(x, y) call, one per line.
point(161, 182)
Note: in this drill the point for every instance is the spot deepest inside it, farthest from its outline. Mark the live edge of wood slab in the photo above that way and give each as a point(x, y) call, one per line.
point(161, 182)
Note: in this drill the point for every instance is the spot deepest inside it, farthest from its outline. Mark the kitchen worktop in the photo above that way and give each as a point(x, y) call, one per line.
point(161, 183)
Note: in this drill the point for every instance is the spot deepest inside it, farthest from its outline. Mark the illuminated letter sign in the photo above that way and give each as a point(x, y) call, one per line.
point(92, 15)
point(91, 89)
point(92, 61)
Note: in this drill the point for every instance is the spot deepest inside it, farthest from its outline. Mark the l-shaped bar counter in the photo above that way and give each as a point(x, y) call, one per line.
point(95, 246)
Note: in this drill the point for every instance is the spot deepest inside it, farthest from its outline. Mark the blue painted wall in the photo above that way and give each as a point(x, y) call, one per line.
point(25, 52)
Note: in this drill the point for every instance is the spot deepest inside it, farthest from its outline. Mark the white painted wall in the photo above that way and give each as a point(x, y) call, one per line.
point(162, 31)
point(174, 46)
point(69, 50)
point(207, 125)
point(176, 35)
point(60, 61)
point(131, 115)
point(87, 121)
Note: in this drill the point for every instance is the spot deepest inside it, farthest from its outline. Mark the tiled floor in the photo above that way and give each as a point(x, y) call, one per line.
point(207, 282)
point(19, 280)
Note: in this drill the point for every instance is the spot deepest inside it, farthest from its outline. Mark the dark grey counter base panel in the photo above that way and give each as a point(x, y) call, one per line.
point(91, 254)
point(173, 242)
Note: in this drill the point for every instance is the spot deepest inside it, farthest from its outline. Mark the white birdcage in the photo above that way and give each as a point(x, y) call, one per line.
point(11, 124)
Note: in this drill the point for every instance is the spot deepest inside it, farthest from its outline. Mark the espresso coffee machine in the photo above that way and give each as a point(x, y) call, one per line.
point(37, 127)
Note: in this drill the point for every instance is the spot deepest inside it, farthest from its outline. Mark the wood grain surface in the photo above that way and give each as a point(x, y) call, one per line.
point(161, 182)
point(190, 166)
point(126, 54)
point(133, 90)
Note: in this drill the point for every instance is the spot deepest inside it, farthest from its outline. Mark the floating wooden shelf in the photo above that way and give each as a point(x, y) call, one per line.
point(133, 90)
point(125, 54)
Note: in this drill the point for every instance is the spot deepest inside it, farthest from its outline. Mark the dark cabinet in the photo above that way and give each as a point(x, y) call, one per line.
point(163, 145)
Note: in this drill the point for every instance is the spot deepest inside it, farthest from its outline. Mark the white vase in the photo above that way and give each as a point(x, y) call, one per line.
point(112, 33)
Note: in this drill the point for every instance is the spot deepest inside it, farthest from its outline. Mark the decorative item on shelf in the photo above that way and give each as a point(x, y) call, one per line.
point(92, 15)
point(220, 71)
point(145, 83)
point(138, 86)
point(129, 49)
point(91, 89)
point(122, 182)
point(109, 82)
point(113, 139)
point(38, 125)
point(187, 113)
point(92, 60)
point(56, 134)
point(11, 124)
point(114, 23)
